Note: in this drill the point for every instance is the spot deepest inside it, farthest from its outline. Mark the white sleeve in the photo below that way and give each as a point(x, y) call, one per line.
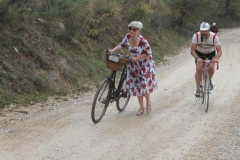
point(194, 39)
point(216, 41)
point(123, 43)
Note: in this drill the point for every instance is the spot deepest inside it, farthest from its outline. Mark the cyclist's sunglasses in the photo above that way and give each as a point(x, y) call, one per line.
point(134, 29)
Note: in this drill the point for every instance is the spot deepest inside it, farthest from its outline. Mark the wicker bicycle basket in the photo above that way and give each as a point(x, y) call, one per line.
point(115, 66)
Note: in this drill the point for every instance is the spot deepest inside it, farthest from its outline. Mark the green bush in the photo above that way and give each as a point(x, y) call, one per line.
point(54, 46)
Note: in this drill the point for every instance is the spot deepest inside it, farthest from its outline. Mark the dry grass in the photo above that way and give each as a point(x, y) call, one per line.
point(56, 48)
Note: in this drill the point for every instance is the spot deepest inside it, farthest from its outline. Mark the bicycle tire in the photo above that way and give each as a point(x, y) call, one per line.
point(123, 100)
point(206, 92)
point(202, 88)
point(101, 100)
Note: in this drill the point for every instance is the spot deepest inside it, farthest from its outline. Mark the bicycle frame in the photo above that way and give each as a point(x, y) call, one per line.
point(206, 66)
point(205, 83)
point(116, 89)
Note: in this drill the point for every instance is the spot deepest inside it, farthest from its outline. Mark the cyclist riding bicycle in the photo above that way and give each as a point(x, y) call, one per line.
point(204, 45)
point(214, 28)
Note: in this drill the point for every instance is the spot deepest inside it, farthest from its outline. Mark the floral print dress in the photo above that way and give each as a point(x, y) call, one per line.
point(141, 74)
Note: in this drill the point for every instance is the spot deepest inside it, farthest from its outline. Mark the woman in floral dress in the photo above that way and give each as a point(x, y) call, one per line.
point(141, 72)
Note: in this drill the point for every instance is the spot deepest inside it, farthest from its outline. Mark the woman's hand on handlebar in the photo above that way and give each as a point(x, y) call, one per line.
point(109, 51)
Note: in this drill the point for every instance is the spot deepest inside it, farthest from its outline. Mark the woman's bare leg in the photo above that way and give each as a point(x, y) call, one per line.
point(141, 109)
point(140, 100)
point(148, 103)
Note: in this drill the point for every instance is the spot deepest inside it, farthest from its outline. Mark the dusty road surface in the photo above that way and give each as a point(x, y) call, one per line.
point(177, 129)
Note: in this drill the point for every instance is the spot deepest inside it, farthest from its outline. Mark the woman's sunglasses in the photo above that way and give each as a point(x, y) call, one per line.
point(134, 29)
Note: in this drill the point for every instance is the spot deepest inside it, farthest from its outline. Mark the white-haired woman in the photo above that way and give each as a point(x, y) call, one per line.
point(141, 79)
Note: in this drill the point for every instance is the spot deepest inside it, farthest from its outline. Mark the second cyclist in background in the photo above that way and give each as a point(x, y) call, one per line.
point(214, 28)
point(203, 46)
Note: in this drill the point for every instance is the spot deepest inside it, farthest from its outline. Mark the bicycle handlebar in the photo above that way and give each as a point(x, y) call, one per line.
point(117, 54)
point(210, 61)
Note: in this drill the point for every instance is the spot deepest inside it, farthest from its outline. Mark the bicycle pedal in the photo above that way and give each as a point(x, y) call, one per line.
point(103, 101)
point(124, 95)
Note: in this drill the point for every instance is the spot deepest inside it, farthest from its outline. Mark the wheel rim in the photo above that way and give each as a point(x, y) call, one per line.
point(123, 101)
point(100, 102)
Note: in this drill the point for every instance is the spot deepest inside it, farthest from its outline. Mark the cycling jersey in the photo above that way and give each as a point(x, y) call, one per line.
point(205, 46)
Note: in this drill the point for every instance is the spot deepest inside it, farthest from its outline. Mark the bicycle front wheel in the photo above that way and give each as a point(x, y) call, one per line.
point(202, 88)
point(206, 92)
point(123, 100)
point(101, 101)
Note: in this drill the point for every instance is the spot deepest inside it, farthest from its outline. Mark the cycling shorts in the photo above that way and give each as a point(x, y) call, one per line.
point(204, 56)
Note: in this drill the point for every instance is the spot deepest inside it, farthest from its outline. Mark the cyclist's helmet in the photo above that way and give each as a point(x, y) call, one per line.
point(204, 26)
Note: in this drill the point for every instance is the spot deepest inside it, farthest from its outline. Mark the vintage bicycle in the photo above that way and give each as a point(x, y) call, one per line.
point(109, 90)
point(205, 83)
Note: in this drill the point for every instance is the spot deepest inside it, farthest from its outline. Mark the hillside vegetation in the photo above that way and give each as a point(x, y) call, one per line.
point(52, 47)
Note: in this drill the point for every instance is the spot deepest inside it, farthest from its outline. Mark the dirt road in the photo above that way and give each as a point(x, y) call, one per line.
point(178, 127)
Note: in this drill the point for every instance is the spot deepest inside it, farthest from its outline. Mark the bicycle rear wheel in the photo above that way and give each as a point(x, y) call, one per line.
point(101, 101)
point(206, 92)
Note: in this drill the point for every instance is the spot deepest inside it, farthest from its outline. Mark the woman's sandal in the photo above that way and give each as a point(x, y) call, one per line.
point(140, 111)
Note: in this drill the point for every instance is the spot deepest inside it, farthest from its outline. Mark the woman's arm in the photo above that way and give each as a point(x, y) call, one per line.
point(135, 59)
point(121, 45)
point(114, 49)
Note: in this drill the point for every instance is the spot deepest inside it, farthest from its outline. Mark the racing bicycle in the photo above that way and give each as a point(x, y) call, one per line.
point(111, 90)
point(205, 83)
